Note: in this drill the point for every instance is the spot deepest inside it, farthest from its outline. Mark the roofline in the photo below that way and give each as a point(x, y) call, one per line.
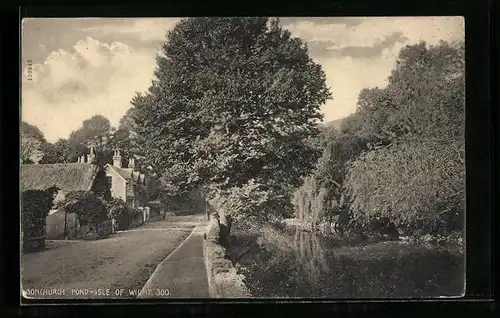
point(94, 175)
point(86, 189)
point(113, 168)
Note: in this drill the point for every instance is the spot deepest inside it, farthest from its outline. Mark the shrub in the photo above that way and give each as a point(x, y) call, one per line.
point(118, 210)
point(89, 208)
point(36, 205)
point(135, 216)
point(418, 185)
point(251, 204)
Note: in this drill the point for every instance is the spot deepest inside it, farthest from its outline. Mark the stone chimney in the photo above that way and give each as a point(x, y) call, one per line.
point(117, 159)
point(131, 163)
point(91, 156)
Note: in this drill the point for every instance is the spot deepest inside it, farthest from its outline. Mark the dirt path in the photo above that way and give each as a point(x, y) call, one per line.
point(92, 269)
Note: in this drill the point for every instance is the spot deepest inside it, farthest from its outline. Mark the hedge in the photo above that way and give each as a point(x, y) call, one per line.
point(36, 205)
point(89, 208)
point(118, 210)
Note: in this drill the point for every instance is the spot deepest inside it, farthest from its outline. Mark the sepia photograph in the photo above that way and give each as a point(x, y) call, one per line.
point(242, 157)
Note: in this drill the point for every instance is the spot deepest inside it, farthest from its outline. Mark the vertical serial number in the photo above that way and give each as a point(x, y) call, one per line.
point(29, 70)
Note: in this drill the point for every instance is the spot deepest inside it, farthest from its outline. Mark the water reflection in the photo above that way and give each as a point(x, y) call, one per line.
point(298, 263)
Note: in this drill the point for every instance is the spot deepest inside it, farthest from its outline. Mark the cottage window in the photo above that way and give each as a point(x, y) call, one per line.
point(109, 181)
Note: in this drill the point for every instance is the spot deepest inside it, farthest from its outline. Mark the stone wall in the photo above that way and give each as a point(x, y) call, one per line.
point(223, 280)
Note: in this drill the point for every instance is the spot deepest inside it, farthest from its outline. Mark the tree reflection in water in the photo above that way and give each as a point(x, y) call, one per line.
point(298, 263)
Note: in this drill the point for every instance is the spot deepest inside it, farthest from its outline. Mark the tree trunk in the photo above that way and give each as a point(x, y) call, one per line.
point(224, 220)
point(224, 224)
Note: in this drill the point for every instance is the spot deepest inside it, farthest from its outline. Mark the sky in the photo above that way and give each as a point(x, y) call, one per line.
point(87, 66)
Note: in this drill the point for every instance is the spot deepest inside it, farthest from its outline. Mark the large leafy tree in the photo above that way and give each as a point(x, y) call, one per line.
point(31, 149)
point(95, 131)
point(123, 138)
point(33, 131)
point(424, 97)
point(32, 143)
point(399, 159)
point(127, 122)
point(321, 196)
point(231, 105)
point(59, 152)
point(417, 181)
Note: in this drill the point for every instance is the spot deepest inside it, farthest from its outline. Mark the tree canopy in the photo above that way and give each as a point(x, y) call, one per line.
point(32, 143)
point(96, 131)
point(58, 152)
point(29, 130)
point(423, 99)
point(232, 102)
point(417, 181)
point(399, 159)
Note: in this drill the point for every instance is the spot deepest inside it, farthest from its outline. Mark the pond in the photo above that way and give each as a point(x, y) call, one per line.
point(299, 263)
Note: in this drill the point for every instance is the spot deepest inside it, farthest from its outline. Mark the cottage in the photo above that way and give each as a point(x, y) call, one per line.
point(126, 183)
point(123, 182)
point(67, 177)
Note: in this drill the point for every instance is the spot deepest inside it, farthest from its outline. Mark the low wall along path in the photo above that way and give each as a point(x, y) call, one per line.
point(223, 280)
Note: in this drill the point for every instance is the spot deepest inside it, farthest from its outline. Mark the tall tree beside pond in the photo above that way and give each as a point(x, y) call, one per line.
point(321, 196)
point(230, 108)
point(417, 182)
point(400, 157)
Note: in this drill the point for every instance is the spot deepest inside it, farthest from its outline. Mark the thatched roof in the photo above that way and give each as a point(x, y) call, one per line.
point(66, 176)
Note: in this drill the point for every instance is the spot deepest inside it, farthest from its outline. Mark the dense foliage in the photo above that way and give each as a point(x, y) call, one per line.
point(419, 186)
point(89, 208)
point(58, 152)
point(95, 131)
point(322, 196)
point(189, 203)
point(31, 150)
point(35, 206)
point(234, 100)
point(399, 160)
point(120, 212)
point(32, 143)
